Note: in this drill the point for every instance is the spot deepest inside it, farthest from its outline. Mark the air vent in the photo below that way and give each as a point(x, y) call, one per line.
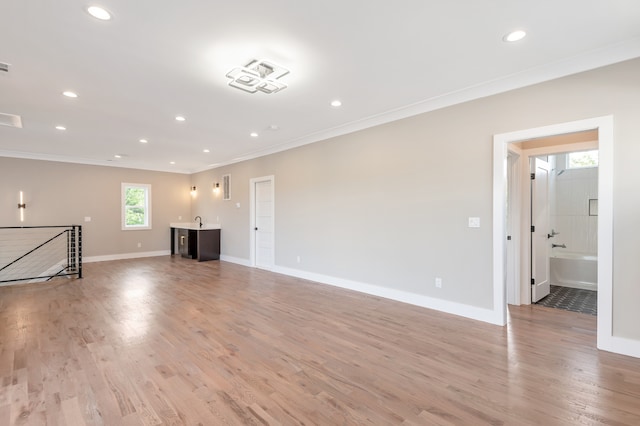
point(4, 67)
point(10, 120)
point(226, 187)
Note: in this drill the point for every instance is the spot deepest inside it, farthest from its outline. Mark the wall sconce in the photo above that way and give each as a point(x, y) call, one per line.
point(193, 191)
point(216, 188)
point(21, 206)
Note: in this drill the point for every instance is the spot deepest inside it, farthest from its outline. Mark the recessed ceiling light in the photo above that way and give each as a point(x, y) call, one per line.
point(172, 162)
point(336, 103)
point(274, 127)
point(61, 128)
point(69, 94)
point(206, 151)
point(99, 13)
point(143, 141)
point(180, 118)
point(118, 156)
point(514, 36)
point(253, 135)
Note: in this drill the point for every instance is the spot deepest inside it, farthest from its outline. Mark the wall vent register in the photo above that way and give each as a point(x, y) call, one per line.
point(10, 120)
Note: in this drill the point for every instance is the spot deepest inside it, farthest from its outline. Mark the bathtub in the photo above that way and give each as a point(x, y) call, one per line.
point(575, 270)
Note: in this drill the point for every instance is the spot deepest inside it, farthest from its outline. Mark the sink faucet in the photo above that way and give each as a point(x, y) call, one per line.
point(200, 222)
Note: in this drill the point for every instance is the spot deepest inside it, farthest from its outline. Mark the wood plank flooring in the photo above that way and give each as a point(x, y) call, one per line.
point(171, 341)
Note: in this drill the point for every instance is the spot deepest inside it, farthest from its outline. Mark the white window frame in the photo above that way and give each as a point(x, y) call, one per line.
point(147, 206)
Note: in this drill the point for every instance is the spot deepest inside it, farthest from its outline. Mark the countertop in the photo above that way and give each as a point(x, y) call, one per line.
point(195, 226)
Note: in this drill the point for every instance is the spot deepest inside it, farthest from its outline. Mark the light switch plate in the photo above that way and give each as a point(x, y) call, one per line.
point(87, 218)
point(474, 222)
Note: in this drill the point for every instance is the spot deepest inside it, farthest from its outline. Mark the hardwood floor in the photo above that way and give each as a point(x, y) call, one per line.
point(172, 341)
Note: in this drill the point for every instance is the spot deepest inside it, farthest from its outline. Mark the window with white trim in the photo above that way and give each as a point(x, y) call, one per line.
point(136, 206)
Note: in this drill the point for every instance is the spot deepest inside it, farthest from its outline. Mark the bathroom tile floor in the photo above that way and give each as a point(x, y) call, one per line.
point(572, 299)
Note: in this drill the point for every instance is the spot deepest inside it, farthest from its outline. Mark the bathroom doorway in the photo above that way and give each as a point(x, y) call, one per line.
point(504, 144)
point(561, 200)
point(572, 236)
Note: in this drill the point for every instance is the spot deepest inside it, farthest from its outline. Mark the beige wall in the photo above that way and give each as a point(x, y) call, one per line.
point(389, 205)
point(386, 206)
point(64, 193)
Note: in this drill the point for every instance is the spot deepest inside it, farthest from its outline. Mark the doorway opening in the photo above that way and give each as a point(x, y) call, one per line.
point(572, 231)
point(511, 157)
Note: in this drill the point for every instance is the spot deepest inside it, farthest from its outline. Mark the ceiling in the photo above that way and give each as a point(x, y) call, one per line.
point(384, 60)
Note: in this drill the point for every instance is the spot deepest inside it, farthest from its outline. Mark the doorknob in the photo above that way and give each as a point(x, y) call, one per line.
point(255, 229)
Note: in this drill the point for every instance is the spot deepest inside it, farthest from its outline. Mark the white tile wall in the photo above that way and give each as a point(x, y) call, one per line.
point(569, 197)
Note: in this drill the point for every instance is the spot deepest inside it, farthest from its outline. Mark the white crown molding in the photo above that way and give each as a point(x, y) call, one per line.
point(86, 161)
point(609, 55)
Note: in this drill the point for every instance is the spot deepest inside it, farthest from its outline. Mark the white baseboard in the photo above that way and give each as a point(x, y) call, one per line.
point(238, 260)
point(620, 345)
point(578, 285)
point(467, 311)
point(122, 256)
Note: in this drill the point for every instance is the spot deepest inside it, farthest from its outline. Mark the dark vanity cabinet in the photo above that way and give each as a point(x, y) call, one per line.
point(200, 244)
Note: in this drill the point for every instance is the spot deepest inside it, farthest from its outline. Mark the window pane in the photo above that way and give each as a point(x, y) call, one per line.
point(135, 197)
point(582, 159)
point(136, 206)
point(135, 216)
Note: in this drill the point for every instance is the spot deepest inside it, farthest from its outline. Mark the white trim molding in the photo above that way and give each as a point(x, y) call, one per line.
point(467, 311)
point(122, 256)
point(236, 260)
point(604, 125)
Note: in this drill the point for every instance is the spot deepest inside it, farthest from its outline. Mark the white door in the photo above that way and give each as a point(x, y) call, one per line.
point(263, 222)
point(540, 286)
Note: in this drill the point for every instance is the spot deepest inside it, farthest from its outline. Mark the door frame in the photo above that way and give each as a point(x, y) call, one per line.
point(252, 217)
point(512, 251)
point(501, 147)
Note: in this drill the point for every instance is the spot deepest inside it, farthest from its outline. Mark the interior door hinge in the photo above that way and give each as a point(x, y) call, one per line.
point(533, 281)
point(533, 228)
point(533, 176)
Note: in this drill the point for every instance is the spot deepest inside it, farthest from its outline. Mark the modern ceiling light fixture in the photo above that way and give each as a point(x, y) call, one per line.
point(99, 13)
point(516, 35)
point(336, 103)
point(258, 75)
point(144, 141)
point(180, 118)
point(61, 128)
point(70, 94)
point(253, 134)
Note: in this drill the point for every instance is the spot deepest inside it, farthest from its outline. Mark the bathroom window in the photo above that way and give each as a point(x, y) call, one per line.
point(584, 159)
point(136, 206)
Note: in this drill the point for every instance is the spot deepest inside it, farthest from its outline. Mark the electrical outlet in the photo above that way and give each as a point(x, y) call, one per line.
point(438, 282)
point(179, 217)
point(139, 245)
point(298, 259)
point(474, 222)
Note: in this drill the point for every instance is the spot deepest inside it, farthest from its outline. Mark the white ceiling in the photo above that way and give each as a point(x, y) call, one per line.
point(383, 59)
